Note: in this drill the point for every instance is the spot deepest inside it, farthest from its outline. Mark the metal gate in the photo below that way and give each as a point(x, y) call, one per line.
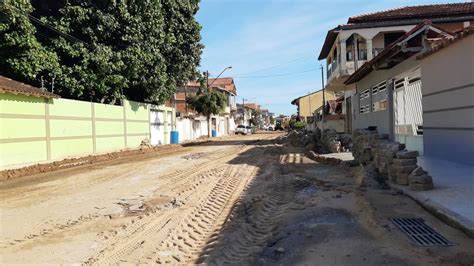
point(157, 127)
point(408, 111)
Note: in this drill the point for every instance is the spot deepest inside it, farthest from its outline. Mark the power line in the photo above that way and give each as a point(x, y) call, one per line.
point(51, 27)
point(276, 75)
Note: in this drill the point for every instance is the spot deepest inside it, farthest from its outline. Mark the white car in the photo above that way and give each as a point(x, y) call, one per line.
point(241, 129)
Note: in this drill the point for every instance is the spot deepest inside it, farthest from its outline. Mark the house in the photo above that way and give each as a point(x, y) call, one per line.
point(447, 77)
point(265, 117)
point(333, 118)
point(307, 104)
point(388, 93)
point(347, 47)
point(243, 115)
point(192, 125)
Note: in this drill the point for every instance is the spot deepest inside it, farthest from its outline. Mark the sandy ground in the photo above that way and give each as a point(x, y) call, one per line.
point(242, 200)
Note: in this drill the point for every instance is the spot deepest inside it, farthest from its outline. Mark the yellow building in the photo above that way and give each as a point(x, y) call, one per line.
point(307, 104)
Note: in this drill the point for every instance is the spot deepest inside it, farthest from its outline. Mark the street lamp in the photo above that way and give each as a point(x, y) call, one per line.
point(229, 67)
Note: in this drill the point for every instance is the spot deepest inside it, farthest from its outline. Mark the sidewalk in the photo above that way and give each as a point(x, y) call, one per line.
point(453, 197)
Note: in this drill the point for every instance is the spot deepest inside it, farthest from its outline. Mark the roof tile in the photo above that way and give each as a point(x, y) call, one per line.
point(410, 12)
point(11, 86)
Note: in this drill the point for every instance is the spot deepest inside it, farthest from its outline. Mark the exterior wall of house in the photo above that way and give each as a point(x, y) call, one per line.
point(36, 130)
point(448, 99)
point(380, 119)
point(309, 103)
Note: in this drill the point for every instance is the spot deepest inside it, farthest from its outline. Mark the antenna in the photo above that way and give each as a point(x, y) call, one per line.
point(52, 83)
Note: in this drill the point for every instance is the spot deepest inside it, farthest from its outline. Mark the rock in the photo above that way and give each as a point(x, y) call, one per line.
point(407, 154)
point(404, 162)
point(405, 169)
point(402, 179)
point(136, 208)
point(421, 187)
point(418, 171)
point(420, 179)
point(280, 250)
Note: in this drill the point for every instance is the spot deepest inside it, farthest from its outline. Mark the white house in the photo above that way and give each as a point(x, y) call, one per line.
point(347, 47)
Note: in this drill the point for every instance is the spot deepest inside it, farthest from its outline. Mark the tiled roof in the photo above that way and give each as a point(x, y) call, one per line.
point(411, 12)
point(409, 15)
point(253, 106)
point(226, 84)
point(442, 43)
point(367, 67)
point(11, 86)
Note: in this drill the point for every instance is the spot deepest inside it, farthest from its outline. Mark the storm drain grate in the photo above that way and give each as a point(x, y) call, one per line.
point(420, 233)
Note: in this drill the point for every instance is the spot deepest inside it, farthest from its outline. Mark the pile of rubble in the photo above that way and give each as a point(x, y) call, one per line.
point(392, 161)
point(330, 141)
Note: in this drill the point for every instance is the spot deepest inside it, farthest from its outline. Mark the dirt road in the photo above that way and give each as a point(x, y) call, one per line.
point(241, 200)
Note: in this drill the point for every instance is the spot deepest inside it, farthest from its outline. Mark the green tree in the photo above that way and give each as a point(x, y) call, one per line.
point(103, 50)
point(22, 57)
point(208, 102)
point(256, 118)
point(272, 120)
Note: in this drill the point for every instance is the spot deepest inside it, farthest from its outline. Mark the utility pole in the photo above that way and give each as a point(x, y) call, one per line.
point(206, 74)
point(324, 100)
point(243, 111)
point(309, 100)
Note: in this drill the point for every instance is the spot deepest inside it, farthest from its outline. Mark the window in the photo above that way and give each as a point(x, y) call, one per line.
point(380, 105)
point(364, 94)
point(364, 109)
point(349, 56)
point(382, 86)
point(399, 83)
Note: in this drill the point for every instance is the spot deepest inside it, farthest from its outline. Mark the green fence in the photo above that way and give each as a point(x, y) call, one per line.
point(36, 129)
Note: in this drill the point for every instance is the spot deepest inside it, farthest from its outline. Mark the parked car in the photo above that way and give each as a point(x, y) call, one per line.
point(269, 128)
point(249, 130)
point(241, 129)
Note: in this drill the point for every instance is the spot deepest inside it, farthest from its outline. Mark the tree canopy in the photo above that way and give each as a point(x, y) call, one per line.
point(208, 102)
point(102, 50)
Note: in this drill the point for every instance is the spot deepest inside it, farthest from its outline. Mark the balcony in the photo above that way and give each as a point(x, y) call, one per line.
point(336, 70)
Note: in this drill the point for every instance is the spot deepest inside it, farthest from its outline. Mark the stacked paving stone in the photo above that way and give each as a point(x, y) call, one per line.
point(403, 165)
point(362, 146)
point(384, 155)
point(390, 159)
point(420, 180)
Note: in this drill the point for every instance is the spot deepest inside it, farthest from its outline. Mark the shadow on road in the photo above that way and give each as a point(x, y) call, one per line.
point(252, 220)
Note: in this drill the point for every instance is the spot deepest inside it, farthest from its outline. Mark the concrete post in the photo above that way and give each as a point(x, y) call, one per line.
point(370, 54)
point(343, 51)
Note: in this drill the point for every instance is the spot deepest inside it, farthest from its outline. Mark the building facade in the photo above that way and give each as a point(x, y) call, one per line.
point(347, 47)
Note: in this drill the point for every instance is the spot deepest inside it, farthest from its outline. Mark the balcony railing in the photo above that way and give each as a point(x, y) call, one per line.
point(362, 54)
point(331, 68)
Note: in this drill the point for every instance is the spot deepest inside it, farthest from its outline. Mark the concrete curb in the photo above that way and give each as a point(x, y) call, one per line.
point(449, 217)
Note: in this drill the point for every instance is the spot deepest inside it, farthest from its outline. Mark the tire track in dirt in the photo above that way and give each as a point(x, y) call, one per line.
point(179, 179)
point(250, 225)
point(249, 238)
point(144, 231)
point(186, 240)
point(185, 187)
point(211, 189)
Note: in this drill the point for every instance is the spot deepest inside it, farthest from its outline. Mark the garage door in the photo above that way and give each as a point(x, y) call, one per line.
point(157, 129)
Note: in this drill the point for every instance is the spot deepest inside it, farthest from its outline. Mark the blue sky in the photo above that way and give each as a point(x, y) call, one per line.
point(273, 37)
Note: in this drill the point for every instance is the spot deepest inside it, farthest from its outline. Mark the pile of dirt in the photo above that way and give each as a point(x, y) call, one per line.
point(86, 160)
